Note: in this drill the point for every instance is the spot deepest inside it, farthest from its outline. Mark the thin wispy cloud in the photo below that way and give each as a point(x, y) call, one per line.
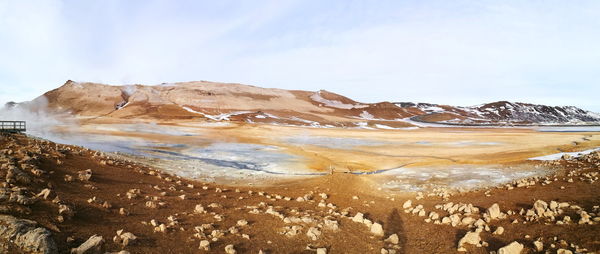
point(458, 52)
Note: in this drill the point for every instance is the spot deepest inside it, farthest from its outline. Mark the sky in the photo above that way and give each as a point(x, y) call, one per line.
point(448, 52)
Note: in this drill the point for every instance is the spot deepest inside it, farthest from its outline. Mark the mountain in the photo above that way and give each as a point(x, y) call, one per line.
point(212, 101)
point(220, 102)
point(504, 112)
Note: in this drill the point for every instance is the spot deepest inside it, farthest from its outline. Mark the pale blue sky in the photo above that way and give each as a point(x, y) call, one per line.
point(452, 52)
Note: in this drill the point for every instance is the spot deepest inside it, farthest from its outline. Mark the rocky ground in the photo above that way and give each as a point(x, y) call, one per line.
point(66, 199)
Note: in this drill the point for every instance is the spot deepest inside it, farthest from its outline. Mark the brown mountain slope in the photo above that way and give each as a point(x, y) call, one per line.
point(217, 101)
point(243, 103)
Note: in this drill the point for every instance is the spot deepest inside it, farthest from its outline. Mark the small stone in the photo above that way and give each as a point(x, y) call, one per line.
point(393, 239)
point(494, 211)
point(434, 216)
point(563, 251)
point(106, 205)
point(92, 245)
point(407, 204)
point(199, 209)
point(469, 238)
point(512, 248)
point(359, 217)
point(540, 207)
point(467, 221)
point(229, 249)
point(242, 223)
point(84, 175)
point(44, 193)
point(127, 238)
point(585, 218)
point(313, 233)
point(499, 231)
point(377, 229)
point(204, 245)
point(151, 204)
point(446, 220)
point(553, 205)
point(539, 246)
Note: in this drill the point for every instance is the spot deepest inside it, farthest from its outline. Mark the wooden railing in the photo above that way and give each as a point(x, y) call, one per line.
point(13, 126)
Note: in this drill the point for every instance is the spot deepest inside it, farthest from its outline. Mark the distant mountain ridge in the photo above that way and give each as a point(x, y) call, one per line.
point(504, 112)
point(213, 101)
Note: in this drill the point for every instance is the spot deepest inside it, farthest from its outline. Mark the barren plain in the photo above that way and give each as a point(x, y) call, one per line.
point(137, 177)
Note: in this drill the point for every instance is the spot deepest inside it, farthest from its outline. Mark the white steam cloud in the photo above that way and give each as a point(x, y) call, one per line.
point(129, 89)
point(39, 120)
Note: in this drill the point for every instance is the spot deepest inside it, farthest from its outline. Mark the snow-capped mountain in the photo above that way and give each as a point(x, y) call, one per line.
point(504, 112)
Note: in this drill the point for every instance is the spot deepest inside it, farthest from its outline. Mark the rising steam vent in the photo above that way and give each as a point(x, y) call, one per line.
point(126, 92)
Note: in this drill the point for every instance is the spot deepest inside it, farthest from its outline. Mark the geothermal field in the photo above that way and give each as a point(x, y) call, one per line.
point(204, 167)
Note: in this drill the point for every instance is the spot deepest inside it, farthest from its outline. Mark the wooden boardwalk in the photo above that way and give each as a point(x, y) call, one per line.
point(13, 126)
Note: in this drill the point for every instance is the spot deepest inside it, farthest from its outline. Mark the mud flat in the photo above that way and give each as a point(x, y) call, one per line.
point(457, 177)
point(227, 152)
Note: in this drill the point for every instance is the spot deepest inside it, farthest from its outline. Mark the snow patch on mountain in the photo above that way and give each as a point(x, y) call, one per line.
point(366, 115)
point(504, 112)
point(220, 117)
point(385, 127)
point(333, 103)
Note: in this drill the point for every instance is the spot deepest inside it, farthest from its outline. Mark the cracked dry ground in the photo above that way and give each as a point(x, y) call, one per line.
point(54, 198)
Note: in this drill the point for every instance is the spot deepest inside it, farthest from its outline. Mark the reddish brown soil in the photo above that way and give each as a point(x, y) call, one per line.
point(111, 182)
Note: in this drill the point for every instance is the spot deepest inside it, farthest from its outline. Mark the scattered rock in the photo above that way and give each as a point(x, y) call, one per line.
point(377, 229)
point(540, 207)
point(24, 235)
point(44, 193)
point(199, 209)
point(151, 204)
point(123, 212)
point(512, 248)
point(124, 238)
point(563, 251)
point(494, 211)
point(359, 217)
point(499, 231)
point(242, 223)
point(204, 245)
point(467, 221)
point(393, 239)
point(313, 233)
point(84, 175)
point(539, 246)
point(469, 238)
point(229, 249)
point(65, 210)
point(106, 205)
point(93, 245)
